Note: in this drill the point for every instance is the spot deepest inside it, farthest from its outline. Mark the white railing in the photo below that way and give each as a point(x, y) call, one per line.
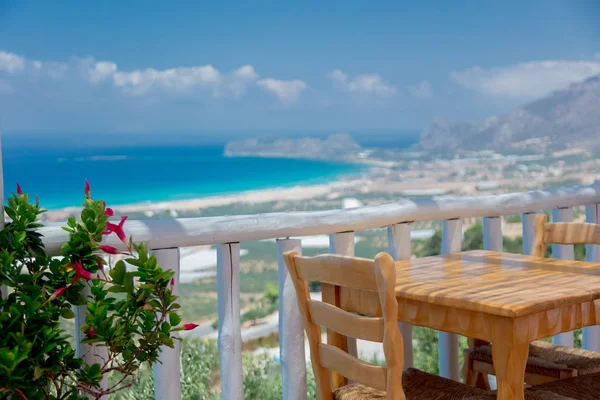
point(167, 235)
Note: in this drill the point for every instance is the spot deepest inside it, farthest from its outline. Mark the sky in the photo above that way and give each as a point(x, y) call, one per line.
point(280, 66)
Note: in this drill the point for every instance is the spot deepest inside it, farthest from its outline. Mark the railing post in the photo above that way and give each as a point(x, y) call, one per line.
point(527, 220)
point(343, 243)
point(591, 334)
point(564, 252)
point(91, 353)
point(167, 378)
point(230, 335)
point(492, 233)
point(291, 330)
point(448, 342)
point(399, 248)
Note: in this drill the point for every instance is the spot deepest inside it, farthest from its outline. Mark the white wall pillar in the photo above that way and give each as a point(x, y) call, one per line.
point(492, 233)
point(527, 220)
point(291, 330)
point(448, 342)
point(230, 334)
point(167, 372)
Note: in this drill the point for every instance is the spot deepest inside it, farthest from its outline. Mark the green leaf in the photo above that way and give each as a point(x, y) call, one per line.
point(128, 283)
point(117, 289)
point(67, 313)
point(174, 319)
point(37, 373)
point(118, 272)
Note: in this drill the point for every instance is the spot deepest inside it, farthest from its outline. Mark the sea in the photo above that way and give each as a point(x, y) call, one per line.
point(144, 173)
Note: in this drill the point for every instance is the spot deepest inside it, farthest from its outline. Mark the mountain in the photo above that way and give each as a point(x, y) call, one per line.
point(334, 147)
point(565, 118)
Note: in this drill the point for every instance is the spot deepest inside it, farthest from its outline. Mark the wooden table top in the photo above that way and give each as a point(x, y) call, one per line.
point(503, 284)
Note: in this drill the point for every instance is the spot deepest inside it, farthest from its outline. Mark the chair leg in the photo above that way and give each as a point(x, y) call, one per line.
point(467, 369)
point(471, 377)
point(481, 380)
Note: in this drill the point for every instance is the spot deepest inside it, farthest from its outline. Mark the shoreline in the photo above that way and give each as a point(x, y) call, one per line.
point(293, 193)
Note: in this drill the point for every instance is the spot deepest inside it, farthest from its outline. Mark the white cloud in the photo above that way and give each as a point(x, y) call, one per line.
point(178, 80)
point(286, 91)
point(11, 63)
point(363, 84)
point(241, 79)
point(101, 71)
point(527, 80)
point(421, 90)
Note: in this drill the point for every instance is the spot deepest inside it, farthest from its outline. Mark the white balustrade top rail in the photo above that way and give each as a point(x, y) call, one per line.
point(185, 232)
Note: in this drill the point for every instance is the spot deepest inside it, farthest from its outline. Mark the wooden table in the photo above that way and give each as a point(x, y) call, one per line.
point(507, 299)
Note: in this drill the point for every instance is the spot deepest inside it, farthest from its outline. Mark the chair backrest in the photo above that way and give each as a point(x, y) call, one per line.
point(377, 275)
point(562, 233)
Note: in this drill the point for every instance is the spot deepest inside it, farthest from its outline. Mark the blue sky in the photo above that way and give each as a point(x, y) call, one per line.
point(279, 66)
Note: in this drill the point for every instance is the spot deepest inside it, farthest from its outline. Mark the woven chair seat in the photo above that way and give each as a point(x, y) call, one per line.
point(548, 359)
point(419, 385)
point(585, 387)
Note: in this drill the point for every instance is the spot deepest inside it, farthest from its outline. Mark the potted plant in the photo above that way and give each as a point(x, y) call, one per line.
point(130, 315)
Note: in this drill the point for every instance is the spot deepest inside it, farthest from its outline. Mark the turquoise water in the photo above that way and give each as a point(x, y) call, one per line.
point(134, 175)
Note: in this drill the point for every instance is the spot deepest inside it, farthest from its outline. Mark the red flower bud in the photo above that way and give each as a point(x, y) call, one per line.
point(109, 211)
point(109, 249)
point(58, 293)
point(19, 191)
point(172, 283)
point(189, 327)
point(100, 263)
point(90, 333)
point(87, 189)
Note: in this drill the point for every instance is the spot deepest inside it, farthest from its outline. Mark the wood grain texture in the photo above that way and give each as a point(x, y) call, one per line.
point(393, 345)
point(313, 331)
point(352, 368)
point(344, 323)
point(328, 359)
point(497, 283)
point(509, 300)
point(562, 233)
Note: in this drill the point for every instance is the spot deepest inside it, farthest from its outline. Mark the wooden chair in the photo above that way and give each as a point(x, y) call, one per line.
point(371, 381)
point(547, 362)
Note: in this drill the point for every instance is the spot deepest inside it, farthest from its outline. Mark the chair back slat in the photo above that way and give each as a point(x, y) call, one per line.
point(352, 368)
point(328, 360)
point(562, 233)
point(344, 323)
point(350, 272)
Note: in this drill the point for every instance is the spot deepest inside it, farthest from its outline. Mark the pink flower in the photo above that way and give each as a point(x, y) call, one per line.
point(80, 272)
point(172, 283)
point(189, 327)
point(58, 293)
point(100, 263)
point(90, 333)
point(109, 211)
point(19, 191)
point(87, 189)
point(109, 249)
point(118, 229)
